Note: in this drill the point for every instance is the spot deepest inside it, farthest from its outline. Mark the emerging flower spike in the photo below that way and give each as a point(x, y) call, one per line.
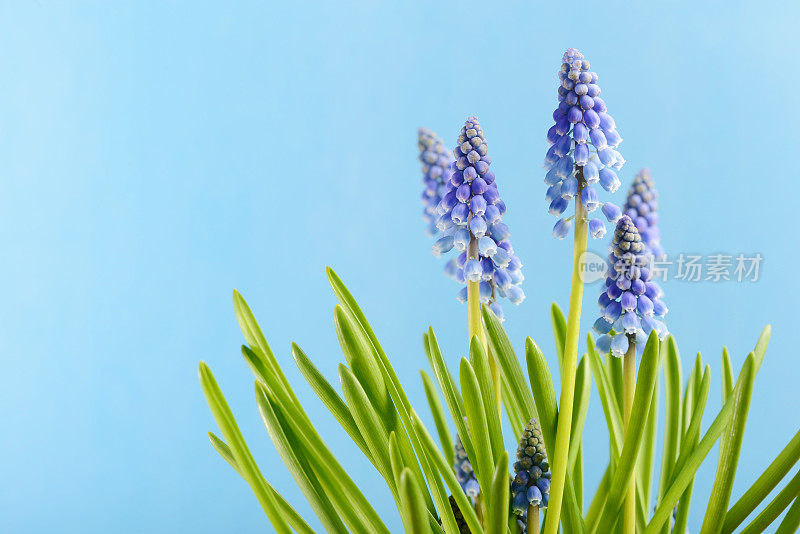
point(436, 160)
point(461, 523)
point(642, 207)
point(464, 472)
point(470, 215)
point(583, 145)
point(531, 483)
point(630, 301)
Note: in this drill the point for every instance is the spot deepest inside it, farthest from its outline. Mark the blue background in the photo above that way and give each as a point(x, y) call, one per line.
point(154, 157)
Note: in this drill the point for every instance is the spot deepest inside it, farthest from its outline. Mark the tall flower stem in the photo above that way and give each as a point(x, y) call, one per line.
point(568, 368)
point(628, 387)
point(475, 324)
point(533, 520)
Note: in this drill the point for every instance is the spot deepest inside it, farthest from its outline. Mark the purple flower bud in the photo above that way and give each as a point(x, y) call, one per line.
point(501, 258)
point(591, 119)
point(601, 326)
point(598, 139)
point(492, 214)
point(603, 344)
point(563, 145)
point(552, 135)
point(609, 180)
point(553, 192)
point(473, 271)
point(558, 205)
point(477, 205)
point(515, 294)
point(478, 226)
point(562, 228)
point(442, 245)
point(499, 231)
point(479, 186)
point(597, 229)
point(580, 133)
point(463, 193)
point(619, 345)
point(591, 173)
point(459, 214)
point(461, 239)
point(569, 188)
point(462, 295)
point(581, 155)
point(589, 198)
point(611, 211)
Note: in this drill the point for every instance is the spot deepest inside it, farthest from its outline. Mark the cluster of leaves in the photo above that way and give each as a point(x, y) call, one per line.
point(378, 416)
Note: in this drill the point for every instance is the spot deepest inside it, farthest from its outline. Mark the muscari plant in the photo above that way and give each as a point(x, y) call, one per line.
point(470, 483)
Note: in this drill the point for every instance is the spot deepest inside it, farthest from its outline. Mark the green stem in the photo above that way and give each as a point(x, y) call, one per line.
point(561, 452)
point(629, 386)
point(475, 326)
point(533, 520)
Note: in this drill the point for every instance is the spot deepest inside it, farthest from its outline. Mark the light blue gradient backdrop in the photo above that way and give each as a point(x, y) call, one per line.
point(155, 157)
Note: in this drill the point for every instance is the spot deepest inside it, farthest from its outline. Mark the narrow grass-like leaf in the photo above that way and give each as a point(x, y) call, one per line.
point(598, 501)
point(775, 508)
point(368, 423)
point(241, 453)
point(416, 514)
point(543, 391)
point(452, 397)
point(329, 397)
point(791, 521)
point(446, 471)
point(292, 517)
point(483, 463)
point(684, 473)
point(261, 360)
point(498, 507)
point(509, 364)
point(445, 438)
point(608, 400)
point(691, 439)
point(614, 366)
point(302, 474)
point(646, 461)
point(727, 375)
point(730, 448)
point(672, 417)
point(480, 364)
point(583, 389)
point(623, 473)
point(358, 351)
point(559, 330)
point(762, 487)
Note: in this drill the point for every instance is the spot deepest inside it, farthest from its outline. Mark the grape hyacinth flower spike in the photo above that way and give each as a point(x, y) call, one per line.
point(436, 160)
point(530, 487)
point(464, 473)
point(583, 147)
point(630, 302)
point(641, 206)
point(470, 219)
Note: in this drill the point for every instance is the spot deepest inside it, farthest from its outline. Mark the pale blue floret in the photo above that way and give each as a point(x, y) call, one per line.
point(562, 228)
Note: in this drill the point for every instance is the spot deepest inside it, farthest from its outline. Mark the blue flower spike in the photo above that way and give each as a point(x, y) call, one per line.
point(435, 159)
point(531, 483)
point(631, 305)
point(583, 147)
point(469, 216)
point(641, 206)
